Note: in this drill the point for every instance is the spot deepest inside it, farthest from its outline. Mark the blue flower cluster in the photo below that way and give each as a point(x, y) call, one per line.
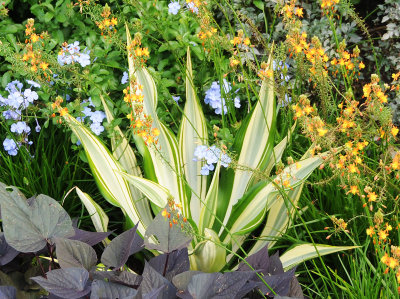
point(174, 7)
point(125, 78)
point(95, 117)
point(71, 54)
point(17, 100)
point(216, 101)
point(211, 155)
point(282, 68)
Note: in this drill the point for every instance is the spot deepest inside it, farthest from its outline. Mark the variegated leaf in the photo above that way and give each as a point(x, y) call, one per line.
point(193, 132)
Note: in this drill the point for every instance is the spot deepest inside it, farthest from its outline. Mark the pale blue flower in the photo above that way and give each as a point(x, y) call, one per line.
point(33, 83)
point(125, 78)
point(211, 155)
point(174, 7)
point(216, 101)
point(205, 170)
point(12, 114)
point(225, 160)
point(200, 152)
point(10, 146)
point(176, 99)
point(30, 96)
point(71, 54)
point(192, 7)
point(97, 116)
point(15, 99)
point(12, 86)
point(97, 128)
point(20, 127)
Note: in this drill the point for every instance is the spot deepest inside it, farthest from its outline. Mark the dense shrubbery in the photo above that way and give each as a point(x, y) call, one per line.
point(296, 100)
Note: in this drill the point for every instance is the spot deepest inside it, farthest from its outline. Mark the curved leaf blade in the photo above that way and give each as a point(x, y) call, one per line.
point(255, 144)
point(156, 193)
point(193, 132)
point(106, 170)
point(98, 216)
point(304, 252)
point(165, 157)
point(124, 154)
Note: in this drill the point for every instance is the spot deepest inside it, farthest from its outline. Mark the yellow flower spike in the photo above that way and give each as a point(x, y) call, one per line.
point(394, 131)
point(322, 131)
point(370, 231)
point(63, 111)
point(353, 190)
point(372, 196)
point(385, 258)
point(156, 132)
point(382, 235)
point(393, 263)
point(44, 65)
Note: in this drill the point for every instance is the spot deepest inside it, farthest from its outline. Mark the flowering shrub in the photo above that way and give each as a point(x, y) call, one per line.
point(17, 101)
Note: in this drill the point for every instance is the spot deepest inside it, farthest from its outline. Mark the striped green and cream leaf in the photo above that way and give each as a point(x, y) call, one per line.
point(254, 143)
point(105, 169)
point(156, 193)
point(165, 156)
point(193, 132)
point(304, 252)
point(209, 209)
point(98, 216)
point(124, 154)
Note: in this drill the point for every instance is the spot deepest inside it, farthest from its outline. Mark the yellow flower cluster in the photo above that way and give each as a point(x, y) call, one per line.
point(329, 4)
point(138, 53)
point(173, 213)
point(313, 125)
point(32, 53)
point(108, 23)
point(141, 123)
point(290, 9)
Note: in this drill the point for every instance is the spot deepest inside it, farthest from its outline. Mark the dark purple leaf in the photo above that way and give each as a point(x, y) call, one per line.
point(75, 254)
point(108, 290)
point(27, 228)
point(218, 285)
point(169, 238)
point(259, 261)
point(153, 293)
point(178, 262)
point(121, 277)
point(8, 292)
point(70, 283)
point(90, 238)
point(182, 280)
point(7, 253)
point(121, 248)
point(246, 288)
point(295, 289)
point(184, 295)
point(279, 283)
point(275, 265)
point(152, 280)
